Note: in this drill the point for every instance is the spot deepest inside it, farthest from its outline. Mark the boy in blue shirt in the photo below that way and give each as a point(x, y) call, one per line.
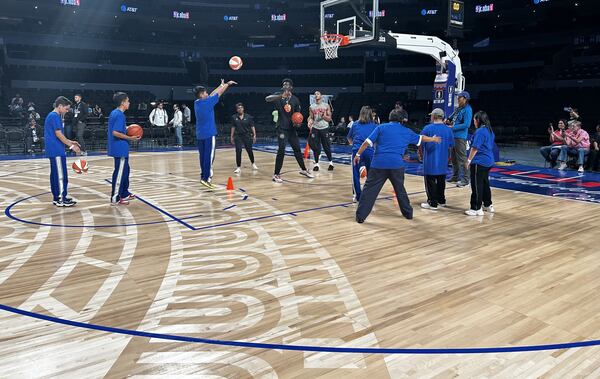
point(390, 141)
point(360, 131)
point(435, 160)
point(118, 148)
point(206, 129)
point(55, 152)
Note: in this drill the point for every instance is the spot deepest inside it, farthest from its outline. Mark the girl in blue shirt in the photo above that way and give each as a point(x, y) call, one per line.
point(480, 161)
point(358, 133)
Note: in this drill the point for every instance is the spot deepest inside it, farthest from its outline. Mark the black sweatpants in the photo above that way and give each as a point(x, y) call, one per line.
point(435, 186)
point(243, 141)
point(376, 178)
point(80, 130)
point(480, 187)
point(283, 138)
point(318, 138)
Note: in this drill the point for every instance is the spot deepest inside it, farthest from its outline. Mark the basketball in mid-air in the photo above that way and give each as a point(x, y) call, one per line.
point(135, 130)
point(235, 62)
point(80, 166)
point(297, 118)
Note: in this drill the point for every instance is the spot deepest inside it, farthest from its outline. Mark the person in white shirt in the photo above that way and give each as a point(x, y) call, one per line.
point(159, 116)
point(187, 114)
point(177, 123)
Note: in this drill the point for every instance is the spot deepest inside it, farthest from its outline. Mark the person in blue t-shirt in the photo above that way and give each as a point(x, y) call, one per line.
point(435, 160)
point(460, 122)
point(55, 151)
point(118, 148)
point(206, 129)
point(360, 131)
point(481, 160)
point(390, 141)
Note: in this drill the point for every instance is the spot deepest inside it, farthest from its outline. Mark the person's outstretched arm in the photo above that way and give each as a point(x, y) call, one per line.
point(222, 87)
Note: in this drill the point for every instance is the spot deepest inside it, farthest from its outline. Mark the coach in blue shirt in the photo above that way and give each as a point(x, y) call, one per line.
point(390, 141)
point(460, 123)
point(435, 160)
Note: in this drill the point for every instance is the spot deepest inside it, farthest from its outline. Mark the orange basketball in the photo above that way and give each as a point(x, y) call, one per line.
point(80, 166)
point(363, 172)
point(135, 130)
point(235, 62)
point(297, 118)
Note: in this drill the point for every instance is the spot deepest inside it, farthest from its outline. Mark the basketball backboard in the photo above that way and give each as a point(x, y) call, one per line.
point(356, 19)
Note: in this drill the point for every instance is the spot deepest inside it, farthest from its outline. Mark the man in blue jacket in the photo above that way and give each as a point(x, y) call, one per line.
point(460, 124)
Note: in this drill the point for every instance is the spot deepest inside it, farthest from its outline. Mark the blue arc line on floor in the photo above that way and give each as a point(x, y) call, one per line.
point(326, 349)
point(160, 210)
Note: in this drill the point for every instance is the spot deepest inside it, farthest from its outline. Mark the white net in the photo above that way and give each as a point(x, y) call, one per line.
point(331, 42)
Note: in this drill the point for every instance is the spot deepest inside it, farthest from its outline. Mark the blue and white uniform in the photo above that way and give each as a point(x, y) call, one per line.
point(206, 131)
point(118, 149)
point(55, 152)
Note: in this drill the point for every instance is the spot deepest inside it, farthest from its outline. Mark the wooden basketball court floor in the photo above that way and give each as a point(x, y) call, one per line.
point(100, 291)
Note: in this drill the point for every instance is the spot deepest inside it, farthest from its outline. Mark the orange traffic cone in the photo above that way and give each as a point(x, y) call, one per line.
point(230, 184)
point(306, 151)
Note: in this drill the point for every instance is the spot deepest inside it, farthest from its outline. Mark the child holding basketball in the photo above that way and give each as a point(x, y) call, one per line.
point(118, 148)
point(360, 131)
point(206, 129)
point(55, 151)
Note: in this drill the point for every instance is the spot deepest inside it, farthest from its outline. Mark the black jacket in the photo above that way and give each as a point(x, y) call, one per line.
point(80, 112)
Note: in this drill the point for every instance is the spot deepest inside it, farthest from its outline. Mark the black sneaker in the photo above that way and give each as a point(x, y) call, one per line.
point(68, 202)
point(452, 180)
point(330, 168)
point(359, 220)
point(316, 167)
point(463, 183)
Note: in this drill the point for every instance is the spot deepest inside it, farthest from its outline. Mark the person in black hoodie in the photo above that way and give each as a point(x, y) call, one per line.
point(80, 114)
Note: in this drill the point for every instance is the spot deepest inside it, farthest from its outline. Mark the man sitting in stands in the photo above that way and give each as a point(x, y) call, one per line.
point(578, 144)
point(557, 139)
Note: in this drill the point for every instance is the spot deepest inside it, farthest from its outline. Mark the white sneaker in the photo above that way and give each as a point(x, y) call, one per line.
point(254, 166)
point(489, 209)
point(427, 206)
point(580, 169)
point(470, 212)
point(354, 199)
point(237, 170)
point(277, 179)
point(562, 166)
point(306, 173)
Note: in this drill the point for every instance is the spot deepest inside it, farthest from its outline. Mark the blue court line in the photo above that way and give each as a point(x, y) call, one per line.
point(8, 213)
point(21, 172)
point(160, 210)
point(327, 349)
point(241, 189)
point(229, 207)
point(293, 213)
point(165, 213)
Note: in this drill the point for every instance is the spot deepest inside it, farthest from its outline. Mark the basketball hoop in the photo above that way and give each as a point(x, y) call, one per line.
point(331, 42)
